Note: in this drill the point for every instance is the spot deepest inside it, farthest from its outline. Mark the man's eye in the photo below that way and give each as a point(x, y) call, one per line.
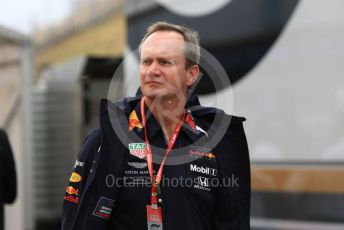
point(145, 62)
point(165, 62)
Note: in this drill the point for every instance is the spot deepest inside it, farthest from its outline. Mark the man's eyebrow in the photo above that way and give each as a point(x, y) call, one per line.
point(165, 57)
point(159, 57)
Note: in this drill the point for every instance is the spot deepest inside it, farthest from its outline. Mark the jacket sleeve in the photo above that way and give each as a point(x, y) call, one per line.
point(78, 179)
point(10, 178)
point(234, 194)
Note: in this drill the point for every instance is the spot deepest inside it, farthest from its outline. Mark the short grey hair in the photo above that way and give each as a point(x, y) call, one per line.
point(192, 50)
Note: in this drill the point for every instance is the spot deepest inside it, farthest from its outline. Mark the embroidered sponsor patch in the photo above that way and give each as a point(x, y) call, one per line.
point(71, 195)
point(72, 191)
point(198, 152)
point(203, 170)
point(71, 198)
point(133, 172)
point(104, 208)
point(137, 149)
point(202, 187)
point(78, 164)
point(75, 177)
point(138, 165)
point(136, 181)
point(202, 183)
point(134, 121)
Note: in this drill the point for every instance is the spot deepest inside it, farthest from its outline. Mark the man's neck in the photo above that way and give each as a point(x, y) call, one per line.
point(168, 112)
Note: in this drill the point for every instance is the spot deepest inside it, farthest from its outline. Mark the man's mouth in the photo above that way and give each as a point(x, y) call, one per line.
point(153, 83)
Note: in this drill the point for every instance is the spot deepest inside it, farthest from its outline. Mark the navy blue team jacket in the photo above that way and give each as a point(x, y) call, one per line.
point(217, 142)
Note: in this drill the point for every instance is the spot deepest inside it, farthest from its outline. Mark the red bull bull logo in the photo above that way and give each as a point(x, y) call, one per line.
point(134, 121)
point(71, 190)
point(198, 152)
point(210, 155)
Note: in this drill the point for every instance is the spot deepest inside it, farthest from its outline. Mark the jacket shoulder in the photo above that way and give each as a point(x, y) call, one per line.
point(209, 115)
point(92, 136)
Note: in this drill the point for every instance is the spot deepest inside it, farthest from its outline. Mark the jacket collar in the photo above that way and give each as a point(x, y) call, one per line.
point(127, 111)
point(190, 126)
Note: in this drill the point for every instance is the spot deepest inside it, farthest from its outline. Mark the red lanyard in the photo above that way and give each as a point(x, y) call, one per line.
point(156, 181)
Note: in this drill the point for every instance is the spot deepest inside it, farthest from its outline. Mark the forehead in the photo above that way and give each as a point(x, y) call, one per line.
point(163, 43)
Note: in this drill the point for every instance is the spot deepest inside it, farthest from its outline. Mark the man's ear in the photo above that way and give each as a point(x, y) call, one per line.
point(193, 73)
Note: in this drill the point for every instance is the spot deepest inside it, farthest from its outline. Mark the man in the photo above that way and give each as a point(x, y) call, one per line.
point(8, 182)
point(152, 163)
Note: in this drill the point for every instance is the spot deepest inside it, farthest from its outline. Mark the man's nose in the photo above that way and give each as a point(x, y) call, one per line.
point(154, 69)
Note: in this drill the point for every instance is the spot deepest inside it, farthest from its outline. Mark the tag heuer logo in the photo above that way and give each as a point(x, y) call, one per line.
point(137, 149)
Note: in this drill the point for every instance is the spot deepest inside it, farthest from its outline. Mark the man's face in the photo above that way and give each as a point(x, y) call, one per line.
point(162, 66)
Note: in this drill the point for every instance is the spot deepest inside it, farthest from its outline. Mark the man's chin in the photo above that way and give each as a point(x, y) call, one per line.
point(158, 95)
point(153, 94)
